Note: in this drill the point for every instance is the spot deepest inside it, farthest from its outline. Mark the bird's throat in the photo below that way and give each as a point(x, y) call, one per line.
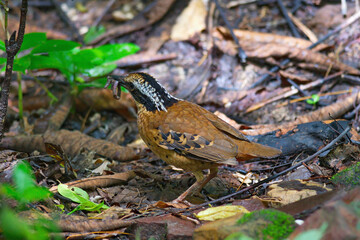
point(152, 95)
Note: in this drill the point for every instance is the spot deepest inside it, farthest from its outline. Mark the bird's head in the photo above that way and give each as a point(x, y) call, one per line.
point(145, 90)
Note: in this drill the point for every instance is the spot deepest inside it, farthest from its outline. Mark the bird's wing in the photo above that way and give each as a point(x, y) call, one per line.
point(225, 127)
point(198, 147)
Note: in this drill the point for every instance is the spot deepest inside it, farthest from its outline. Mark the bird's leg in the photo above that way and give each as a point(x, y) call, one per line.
point(199, 178)
point(212, 174)
point(198, 185)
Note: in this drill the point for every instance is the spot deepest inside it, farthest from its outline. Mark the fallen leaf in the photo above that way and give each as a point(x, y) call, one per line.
point(215, 213)
point(190, 21)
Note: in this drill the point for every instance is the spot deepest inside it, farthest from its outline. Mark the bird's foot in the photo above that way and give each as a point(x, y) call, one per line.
point(182, 202)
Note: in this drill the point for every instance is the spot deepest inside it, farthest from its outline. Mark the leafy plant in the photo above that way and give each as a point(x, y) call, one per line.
point(80, 196)
point(38, 52)
point(24, 191)
point(314, 99)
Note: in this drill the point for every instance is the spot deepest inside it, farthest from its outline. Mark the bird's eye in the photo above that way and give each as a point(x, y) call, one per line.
point(131, 87)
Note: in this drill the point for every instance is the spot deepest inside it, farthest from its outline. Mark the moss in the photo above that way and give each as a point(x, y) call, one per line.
point(268, 224)
point(349, 177)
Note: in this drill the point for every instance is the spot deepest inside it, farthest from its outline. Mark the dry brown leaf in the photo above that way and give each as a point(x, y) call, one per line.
point(249, 38)
point(100, 181)
point(292, 191)
point(86, 225)
point(216, 230)
point(190, 21)
point(161, 204)
point(275, 50)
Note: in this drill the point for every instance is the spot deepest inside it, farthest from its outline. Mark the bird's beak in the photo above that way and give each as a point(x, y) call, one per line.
point(116, 78)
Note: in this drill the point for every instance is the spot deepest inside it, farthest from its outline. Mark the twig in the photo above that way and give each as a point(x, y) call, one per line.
point(296, 86)
point(309, 34)
point(297, 5)
point(348, 22)
point(104, 12)
point(340, 126)
point(12, 48)
point(327, 147)
point(353, 79)
point(288, 19)
point(241, 52)
point(293, 92)
point(67, 20)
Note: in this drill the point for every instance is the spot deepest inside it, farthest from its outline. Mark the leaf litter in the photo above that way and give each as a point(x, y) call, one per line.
point(137, 186)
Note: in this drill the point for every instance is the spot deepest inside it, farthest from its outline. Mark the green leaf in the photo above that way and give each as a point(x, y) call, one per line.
point(315, 98)
point(113, 52)
point(55, 46)
point(22, 177)
point(21, 64)
point(9, 191)
point(2, 60)
point(98, 83)
point(36, 193)
point(44, 62)
point(93, 33)
point(101, 70)
point(2, 46)
point(310, 101)
point(32, 40)
point(87, 58)
point(12, 226)
point(75, 194)
point(26, 189)
point(80, 196)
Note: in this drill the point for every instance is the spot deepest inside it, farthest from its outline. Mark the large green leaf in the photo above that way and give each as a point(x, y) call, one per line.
point(36, 193)
point(32, 40)
point(87, 59)
point(55, 46)
point(101, 70)
point(43, 62)
point(113, 52)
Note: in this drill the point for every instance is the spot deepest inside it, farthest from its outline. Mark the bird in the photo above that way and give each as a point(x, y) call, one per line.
point(183, 133)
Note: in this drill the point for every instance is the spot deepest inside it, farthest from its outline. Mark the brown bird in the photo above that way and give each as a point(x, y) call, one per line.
point(184, 134)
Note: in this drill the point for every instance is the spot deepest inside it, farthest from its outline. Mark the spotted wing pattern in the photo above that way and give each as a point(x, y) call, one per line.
point(197, 147)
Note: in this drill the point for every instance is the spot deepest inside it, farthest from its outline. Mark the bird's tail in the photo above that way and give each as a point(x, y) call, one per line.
point(248, 150)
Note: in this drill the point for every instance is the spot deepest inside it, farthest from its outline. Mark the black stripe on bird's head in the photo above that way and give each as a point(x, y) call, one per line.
point(145, 90)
